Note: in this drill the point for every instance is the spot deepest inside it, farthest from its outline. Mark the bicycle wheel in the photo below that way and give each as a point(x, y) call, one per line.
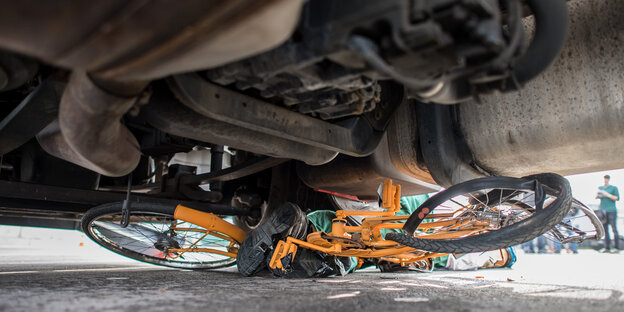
point(581, 224)
point(487, 213)
point(155, 236)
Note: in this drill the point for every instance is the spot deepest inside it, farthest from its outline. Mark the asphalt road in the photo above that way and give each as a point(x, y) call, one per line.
point(70, 276)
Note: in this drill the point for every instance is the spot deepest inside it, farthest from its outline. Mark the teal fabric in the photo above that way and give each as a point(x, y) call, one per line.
point(322, 220)
point(513, 257)
point(608, 204)
point(410, 203)
point(440, 262)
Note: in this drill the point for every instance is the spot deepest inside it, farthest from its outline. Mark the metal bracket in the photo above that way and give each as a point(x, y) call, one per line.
point(125, 207)
point(33, 114)
point(246, 168)
point(46, 200)
point(355, 136)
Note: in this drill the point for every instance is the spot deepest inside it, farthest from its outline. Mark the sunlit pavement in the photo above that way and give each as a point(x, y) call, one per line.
point(76, 275)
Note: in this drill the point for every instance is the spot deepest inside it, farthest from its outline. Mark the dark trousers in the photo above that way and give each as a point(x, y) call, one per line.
point(611, 220)
point(541, 245)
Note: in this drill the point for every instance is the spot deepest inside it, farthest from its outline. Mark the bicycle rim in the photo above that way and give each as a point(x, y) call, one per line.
point(150, 235)
point(506, 206)
point(478, 212)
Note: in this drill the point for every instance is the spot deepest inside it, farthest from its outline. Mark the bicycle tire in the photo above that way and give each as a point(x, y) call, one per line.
point(535, 225)
point(94, 231)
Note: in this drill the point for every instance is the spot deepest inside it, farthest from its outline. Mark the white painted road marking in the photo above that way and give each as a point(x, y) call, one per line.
point(83, 270)
point(414, 299)
point(422, 285)
point(19, 272)
point(347, 295)
point(393, 289)
point(389, 282)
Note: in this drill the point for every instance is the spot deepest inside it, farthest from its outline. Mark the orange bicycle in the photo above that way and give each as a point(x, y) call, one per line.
point(365, 240)
point(479, 215)
point(483, 214)
point(183, 237)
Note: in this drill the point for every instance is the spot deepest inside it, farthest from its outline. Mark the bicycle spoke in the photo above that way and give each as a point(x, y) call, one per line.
point(146, 232)
point(496, 206)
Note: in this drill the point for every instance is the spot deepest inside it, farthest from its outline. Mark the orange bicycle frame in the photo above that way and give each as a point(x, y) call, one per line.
point(212, 225)
point(364, 241)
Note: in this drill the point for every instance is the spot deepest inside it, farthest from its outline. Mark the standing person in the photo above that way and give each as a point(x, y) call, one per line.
point(608, 194)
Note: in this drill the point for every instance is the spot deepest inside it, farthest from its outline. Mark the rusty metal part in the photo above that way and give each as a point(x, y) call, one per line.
point(360, 176)
point(569, 119)
point(396, 157)
point(404, 146)
point(134, 40)
point(89, 120)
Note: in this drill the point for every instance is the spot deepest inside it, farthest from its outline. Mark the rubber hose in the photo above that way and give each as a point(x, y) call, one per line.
point(551, 30)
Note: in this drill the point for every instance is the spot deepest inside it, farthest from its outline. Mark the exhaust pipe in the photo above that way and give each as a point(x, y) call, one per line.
point(89, 131)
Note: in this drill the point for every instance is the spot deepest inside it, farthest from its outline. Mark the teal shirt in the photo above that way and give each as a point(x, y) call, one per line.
point(608, 204)
point(410, 203)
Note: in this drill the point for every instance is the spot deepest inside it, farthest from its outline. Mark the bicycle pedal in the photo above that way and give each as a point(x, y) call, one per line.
point(282, 250)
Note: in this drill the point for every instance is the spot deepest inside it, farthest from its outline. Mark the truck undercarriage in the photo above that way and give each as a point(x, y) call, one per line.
point(234, 107)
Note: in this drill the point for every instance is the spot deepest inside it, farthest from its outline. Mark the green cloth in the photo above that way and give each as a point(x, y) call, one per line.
point(440, 262)
point(322, 220)
point(410, 203)
point(608, 204)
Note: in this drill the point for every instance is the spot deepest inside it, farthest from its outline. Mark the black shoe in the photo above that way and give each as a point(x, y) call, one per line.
point(287, 220)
